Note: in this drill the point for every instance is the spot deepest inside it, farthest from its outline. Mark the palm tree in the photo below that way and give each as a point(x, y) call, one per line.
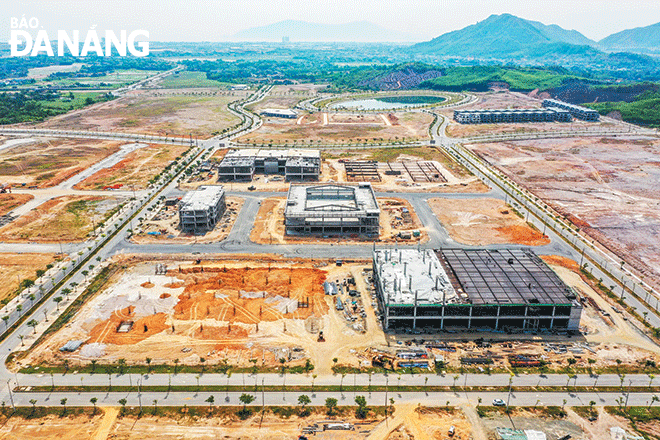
point(34, 403)
point(304, 400)
point(33, 323)
point(58, 300)
point(5, 319)
point(148, 360)
point(654, 399)
point(122, 402)
point(63, 403)
point(211, 401)
point(314, 376)
point(155, 404)
point(176, 364)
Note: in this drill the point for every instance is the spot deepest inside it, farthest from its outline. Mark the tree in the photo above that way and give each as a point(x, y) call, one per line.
point(654, 399)
point(122, 402)
point(245, 399)
point(176, 364)
point(331, 404)
point(93, 400)
point(33, 323)
point(148, 360)
point(34, 403)
point(210, 401)
point(63, 403)
point(5, 319)
point(304, 400)
point(58, 300)
point(155, 405)
point(362, 410)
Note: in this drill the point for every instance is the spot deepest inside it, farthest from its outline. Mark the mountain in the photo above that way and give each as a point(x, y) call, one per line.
point(303, 31)
point(641, 39)
point(503, 36)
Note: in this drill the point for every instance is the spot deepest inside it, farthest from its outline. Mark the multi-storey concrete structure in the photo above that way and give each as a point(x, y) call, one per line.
point(293, 164)
point(586, 114)
point(200, 210)
point(332, 209)
point(513, 115)
point(472, 289)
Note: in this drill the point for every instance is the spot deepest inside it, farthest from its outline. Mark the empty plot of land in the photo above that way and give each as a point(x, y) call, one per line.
point(48, 162)
point(144, 112)
point(62, 219)
point(10, 201)
point(71, 427)
point(342, 128)
point(18, 267)
point(484, 221)
point(136, 169)
point(605, 186)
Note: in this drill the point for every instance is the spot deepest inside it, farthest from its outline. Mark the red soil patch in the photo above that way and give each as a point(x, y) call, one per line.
point(218, 296)
point(164, 295)
point(147, 285)
point(523, 234)
point(106, 331)
point(173, 285)
point(561, 261)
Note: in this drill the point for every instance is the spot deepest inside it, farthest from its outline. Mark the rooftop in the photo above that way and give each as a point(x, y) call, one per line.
point(404, 274)
point(202, 198)
point(505, 276)
point(279, 112)
point(314, 199)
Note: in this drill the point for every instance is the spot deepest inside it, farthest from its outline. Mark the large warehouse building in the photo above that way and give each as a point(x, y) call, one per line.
point(472, 289)
point(331, 209)
point(200, 210)
point(293, 164)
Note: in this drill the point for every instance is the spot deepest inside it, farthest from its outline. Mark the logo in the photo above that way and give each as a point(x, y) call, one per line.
point(22, 42)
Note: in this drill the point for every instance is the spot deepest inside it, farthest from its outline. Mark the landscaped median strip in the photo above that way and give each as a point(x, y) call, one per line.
point(326, 388)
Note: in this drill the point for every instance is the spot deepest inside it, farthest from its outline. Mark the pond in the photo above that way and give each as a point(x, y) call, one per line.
point(388, 102)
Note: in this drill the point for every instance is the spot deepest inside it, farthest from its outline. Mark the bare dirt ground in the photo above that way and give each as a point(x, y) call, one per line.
point(70, 427)
point(411, 422)
point(175, 112)
point(341, 128)
point(15, 267)
point(484, 221)
point(456, 177)
point(269, 225)
point(62, 219)
point(136, 169)
point(10, 201)
point(229, 310)
point(605, 187)
point(509, 100)
point(166, 224)
point(49, 162)
point(535, 419)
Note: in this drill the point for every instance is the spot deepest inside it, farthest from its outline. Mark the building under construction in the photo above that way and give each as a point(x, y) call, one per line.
point(332, 209)
point(510, 290)
point(200, 210)
point(293, 164)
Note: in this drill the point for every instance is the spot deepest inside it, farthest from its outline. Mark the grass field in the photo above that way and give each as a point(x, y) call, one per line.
point(113, 80)
point(185, 79)
point(63, 219)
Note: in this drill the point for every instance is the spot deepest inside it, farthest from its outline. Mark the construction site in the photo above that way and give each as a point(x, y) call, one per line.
point(229, 310)
point(397, 221)
point(459, 289)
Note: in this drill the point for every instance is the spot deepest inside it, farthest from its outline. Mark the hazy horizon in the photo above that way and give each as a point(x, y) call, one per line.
point(177, 20)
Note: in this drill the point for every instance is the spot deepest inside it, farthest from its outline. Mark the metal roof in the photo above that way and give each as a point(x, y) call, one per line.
point(505, 276)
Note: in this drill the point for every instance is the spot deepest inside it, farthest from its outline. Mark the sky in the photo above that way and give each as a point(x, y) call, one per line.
point(217, 20)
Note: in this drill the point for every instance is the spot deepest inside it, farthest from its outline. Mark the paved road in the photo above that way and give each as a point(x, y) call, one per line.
point(146, 399)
